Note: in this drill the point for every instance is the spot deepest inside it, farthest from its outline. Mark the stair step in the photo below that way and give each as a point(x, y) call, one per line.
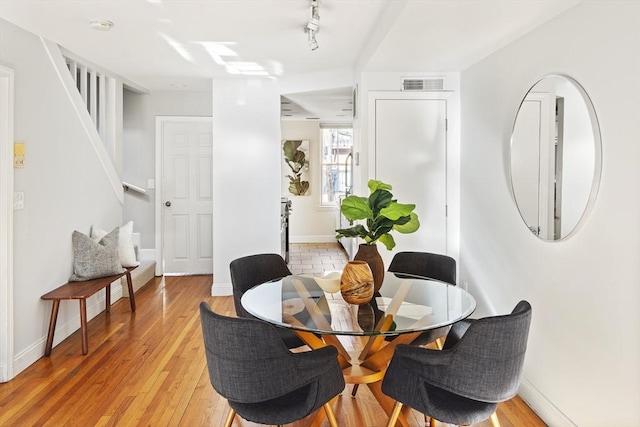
point(139, 277)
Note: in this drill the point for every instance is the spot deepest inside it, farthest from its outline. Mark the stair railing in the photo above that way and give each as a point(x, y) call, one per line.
point(98, 91)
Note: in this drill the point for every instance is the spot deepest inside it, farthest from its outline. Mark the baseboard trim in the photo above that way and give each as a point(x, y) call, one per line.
point(4, 372)
point(35, 351)
point(221, 289)
point(313, 239)
point(546, 410)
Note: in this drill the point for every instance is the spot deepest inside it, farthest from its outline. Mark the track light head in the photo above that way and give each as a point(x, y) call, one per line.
point(313, 25)
point(313, 43)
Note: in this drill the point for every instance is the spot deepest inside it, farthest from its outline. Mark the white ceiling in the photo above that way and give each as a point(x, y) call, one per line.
point(161, 44)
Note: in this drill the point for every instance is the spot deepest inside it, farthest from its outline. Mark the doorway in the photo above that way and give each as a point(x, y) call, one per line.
point(184, 197)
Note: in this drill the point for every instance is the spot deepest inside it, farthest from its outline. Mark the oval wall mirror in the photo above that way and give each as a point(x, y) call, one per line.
point(555, 157)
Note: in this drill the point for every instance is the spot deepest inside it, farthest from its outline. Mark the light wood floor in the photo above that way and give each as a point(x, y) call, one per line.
point(149, 369)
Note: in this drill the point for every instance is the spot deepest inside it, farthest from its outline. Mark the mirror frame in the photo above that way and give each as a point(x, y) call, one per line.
point(597, 142)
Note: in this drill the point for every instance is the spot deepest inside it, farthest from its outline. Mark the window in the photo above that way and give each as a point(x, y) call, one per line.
point(337, 142)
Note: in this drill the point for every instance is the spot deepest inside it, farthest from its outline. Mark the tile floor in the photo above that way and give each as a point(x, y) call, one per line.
point(316, 258)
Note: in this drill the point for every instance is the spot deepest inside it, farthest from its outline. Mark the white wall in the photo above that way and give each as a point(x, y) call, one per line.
point(309, 222)
point(583, 359)
point(140, 111)
point(246, 173)
point(63, 191)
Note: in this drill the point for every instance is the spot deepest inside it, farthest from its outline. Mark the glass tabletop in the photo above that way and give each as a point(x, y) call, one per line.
point(412, 303)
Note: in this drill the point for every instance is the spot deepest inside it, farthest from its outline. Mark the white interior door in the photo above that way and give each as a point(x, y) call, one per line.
point(411, 155)
point(187, 202)
point(532, 163)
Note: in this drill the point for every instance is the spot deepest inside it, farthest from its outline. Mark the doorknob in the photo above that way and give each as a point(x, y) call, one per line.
point(167, 203)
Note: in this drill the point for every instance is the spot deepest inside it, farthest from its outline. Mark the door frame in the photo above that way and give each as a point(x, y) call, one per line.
point(6, 224)
point(160, 122)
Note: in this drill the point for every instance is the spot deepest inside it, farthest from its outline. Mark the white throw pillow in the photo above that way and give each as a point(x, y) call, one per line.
point(126, 251)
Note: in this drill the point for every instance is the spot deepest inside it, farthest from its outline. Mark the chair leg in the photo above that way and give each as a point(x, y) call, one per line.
point(395, 414)
point(439, 343)
point(230, 415)
point(330, 415)
point(494, 420)
point(429, 422)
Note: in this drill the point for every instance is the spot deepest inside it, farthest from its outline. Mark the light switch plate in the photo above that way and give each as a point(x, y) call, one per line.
point(151, 183)
point(18, 201)
point(18, 154)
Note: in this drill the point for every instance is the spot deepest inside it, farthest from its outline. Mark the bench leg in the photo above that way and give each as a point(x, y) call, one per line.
point(132, 298)
point(52, 327)
point(83, 325)
point(107, 298)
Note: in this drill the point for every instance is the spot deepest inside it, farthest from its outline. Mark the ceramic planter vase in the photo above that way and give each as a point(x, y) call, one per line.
point(370, 254)
point(356, 283)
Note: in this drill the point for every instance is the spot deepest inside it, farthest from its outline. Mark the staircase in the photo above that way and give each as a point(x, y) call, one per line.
point(98, 90)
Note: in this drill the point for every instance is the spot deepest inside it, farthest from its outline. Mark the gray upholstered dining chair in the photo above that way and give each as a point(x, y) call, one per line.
point(261, 379)
point(249, 271)
point(433, 266)
point(425, 264)
point(479, 366)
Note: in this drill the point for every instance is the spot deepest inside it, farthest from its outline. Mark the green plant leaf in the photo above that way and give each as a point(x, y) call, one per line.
point(397, 210)
point(378, 200)
point(412, 225)
point(374, 185)
point(402, 220)
point(355, 207)
point(355, 231)
point(380, 226)
point(388, 241)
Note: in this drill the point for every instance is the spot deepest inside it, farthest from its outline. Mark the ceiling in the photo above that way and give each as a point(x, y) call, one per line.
point(182, 44)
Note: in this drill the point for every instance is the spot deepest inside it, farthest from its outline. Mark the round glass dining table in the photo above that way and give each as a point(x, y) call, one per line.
point(416, 304)
point(364, 335)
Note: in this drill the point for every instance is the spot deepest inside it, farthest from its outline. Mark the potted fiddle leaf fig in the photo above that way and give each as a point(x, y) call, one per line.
point(381, 214)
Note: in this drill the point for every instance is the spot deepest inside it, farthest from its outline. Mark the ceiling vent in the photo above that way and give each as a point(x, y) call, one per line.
point(423, 84)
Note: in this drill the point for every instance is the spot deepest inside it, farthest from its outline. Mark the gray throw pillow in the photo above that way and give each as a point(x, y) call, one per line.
point(93, 259)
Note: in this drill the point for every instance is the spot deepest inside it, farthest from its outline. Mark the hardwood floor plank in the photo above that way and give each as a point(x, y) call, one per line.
point(148, 369)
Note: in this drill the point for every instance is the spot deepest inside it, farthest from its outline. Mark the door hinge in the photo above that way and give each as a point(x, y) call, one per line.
point(446, 124)
point(446, 211)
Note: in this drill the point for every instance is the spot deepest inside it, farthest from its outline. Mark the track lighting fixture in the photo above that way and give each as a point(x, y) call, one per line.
point(313, 26)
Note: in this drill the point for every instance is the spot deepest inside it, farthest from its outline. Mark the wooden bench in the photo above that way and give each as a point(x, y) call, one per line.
point(81, 291)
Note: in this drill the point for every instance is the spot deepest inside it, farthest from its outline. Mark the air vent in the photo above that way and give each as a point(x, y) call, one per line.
point(427, 84)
